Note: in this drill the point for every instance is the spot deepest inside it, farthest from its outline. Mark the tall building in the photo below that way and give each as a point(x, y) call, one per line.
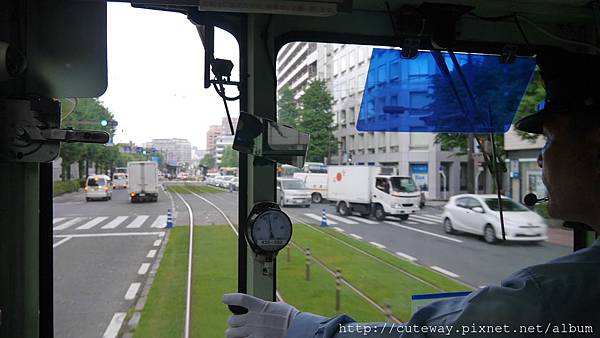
point(211, 137)
point(223, 142)
point(216, 131)
point(174, 150)
point(296, 66)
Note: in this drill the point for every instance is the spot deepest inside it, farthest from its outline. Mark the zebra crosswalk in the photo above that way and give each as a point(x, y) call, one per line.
point(108, 222)
point(418, 219)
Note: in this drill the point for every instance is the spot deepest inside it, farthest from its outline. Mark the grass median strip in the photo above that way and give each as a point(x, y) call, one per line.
point(188, 189)
point(163, 314)
point(214, 273)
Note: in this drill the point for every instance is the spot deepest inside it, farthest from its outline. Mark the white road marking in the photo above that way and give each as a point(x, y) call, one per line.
point(405, 256)
point(424, 232)
point(159, 222)
point(356, 236)
point(132, 291)
point(115, 325)
point(421, 219)
point(138, 221)
point(91, 223)
point(444, 271)
point(339, 229)
point(161, 234)
point(431, 218)
point(60, 242)
point(157, 242)
point(412, 222)
point(115, 222)
point(68, 224)
point(380, 246)
point(143, 268)
point(151, 254)
point(318, 218)
point(341, 219)
point(111, 234)
point(58, 219)
point(363, 220)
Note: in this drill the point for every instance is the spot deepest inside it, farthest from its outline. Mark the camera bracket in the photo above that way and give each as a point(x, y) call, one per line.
point(30, 130)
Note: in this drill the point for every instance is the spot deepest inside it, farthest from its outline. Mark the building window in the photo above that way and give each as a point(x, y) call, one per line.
point(419, 141)
point(394, 149)
point(395, 70)
point(381, 150)
point(371, 150)
point(382, 74)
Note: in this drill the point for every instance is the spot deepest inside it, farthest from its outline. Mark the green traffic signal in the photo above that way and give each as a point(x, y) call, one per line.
point(104, 123)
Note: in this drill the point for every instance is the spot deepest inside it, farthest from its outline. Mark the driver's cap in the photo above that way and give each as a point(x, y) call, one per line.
point(572, 84)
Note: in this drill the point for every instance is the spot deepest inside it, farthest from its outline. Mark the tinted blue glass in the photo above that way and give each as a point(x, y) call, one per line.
point(431, 94)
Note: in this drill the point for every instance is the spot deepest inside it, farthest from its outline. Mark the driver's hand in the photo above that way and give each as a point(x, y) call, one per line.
point(263, 320)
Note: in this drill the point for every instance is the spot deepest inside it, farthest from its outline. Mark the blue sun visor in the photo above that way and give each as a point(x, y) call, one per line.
point(442, 92)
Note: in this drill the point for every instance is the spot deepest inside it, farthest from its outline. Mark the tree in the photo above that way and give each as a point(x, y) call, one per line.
point(230, 158)
point(208, 161)
point(317, 119)
point(287, 108)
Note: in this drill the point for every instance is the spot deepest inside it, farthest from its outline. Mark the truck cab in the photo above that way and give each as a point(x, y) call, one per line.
point(394, 195)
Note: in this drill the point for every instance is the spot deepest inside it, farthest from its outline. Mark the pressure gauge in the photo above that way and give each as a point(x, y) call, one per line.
point(269, 229)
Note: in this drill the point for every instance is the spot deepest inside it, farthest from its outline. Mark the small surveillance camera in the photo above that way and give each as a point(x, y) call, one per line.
point(12, 62)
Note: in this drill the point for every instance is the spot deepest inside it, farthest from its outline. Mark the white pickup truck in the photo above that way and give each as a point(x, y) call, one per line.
point(365, 190)
point(143, 181)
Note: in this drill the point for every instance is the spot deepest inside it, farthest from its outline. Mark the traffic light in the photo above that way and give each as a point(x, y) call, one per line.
point(111, 123)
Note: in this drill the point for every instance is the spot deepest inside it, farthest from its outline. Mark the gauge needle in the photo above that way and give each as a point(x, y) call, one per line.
point(270, 228)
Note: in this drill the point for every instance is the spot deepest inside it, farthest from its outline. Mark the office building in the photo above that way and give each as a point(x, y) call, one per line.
point(173, 150)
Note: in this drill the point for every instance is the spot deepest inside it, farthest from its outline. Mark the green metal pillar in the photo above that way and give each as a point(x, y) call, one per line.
point(19, 249)
point(259, 88)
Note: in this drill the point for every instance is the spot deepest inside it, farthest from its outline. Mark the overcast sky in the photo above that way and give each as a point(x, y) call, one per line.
point(155, 76)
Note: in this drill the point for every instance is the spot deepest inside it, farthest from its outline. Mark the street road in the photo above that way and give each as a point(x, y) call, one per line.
point(102, 253)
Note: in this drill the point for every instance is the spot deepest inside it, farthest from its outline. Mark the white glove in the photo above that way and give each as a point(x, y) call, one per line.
point(263, 320)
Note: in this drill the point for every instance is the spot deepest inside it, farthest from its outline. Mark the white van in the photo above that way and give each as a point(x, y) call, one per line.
point(291, 191)
point(119, 181)
point(97, 187)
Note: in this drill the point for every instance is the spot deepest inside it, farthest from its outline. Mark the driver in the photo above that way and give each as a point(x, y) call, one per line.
point(561, 294)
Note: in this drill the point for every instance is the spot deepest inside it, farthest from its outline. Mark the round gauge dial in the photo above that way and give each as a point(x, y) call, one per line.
point(270, 230)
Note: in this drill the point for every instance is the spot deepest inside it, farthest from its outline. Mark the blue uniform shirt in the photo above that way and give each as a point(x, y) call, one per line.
point(558, 299)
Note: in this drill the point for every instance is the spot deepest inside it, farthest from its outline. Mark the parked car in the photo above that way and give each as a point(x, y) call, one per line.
point(292, 191)
point(235, 184)
point(98, 187)
point(479, 214)
point(217, 180)
point(225, 180)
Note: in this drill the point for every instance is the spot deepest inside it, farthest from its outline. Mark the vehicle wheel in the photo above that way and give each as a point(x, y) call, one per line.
point(489, 234)
point(281, 204)
point(307, 205)
point(343, 209)
point(448, 226)
point(109, 198)
point(378, 212)
point(316, 197)
point(87, 199)
point(365, 215)
point(403, 217)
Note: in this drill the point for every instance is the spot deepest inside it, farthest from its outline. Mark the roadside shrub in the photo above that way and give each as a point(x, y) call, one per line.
point(63, 187)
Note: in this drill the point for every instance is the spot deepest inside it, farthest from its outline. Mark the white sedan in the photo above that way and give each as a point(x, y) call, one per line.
point(479, 214)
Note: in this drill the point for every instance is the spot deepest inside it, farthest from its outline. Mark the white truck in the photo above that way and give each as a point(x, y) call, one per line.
point(365, 190)
point(143, 181)
point(316, 183)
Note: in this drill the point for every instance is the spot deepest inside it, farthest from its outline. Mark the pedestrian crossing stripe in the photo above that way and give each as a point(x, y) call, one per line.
point(137, 222)
point(68, 223)
point(431, 218)
point(115, 222)
point(342, 219)
point(160, 222)
point(318, 218)
point(363, 220)
point(92, 223)
point(421, 219)
point(58, 220)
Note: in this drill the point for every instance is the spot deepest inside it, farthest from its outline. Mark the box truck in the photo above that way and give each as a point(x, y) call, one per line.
point(316, 183)
point(143, 181)
point(364, 189)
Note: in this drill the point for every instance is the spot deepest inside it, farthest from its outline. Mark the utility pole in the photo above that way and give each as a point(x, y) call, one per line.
point(470, 164)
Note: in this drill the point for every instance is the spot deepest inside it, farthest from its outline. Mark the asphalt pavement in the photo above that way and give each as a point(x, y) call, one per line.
point(102, 254)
